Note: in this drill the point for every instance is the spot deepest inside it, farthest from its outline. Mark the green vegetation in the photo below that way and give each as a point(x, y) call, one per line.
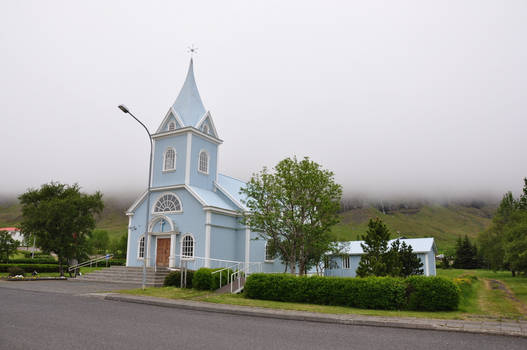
point(205, 279)
point(504, 244)
point(173, 279)
point(8, 246)
point(293, 208)
point(398, 260)
point(444, 223)
point(386, 293)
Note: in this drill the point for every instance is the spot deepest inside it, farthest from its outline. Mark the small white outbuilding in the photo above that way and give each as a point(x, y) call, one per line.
point(345, 263)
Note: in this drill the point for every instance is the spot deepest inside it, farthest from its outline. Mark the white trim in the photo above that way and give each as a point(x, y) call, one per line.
point(211, 122)
point(158, 217)
point(128, 240)
point(221, 211)
point(208, 161)
point(134, 206)
point(193, 246)
point(187, 160)
point(165, 158)
point(139, 247)
point(427, 268)
point(265, 254)
point(153, 212)
point(165, 119)
point(228, 195)
point(152, 165)
point(247, 245)
point(187, 129)
point(208, 216)
point(166, 188)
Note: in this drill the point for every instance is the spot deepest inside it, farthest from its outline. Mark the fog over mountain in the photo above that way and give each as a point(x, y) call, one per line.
point(406, 99)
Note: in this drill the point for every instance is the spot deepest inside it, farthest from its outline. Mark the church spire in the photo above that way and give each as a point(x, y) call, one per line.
point(188, 104)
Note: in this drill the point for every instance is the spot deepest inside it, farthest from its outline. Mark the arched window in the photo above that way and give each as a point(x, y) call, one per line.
point(171, 126)
point(141, 248)
point(167, 203)
point(170, 159)
point(203, 165)
point(205, 128)
point(187, 247)
point(269, 256)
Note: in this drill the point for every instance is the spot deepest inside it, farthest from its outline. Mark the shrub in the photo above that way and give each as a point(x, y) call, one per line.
point(387, 293)
point(432, 293)
point(50, 260)
point(203, 279)
point(371, 293)
point(31, 267)
point(173, 279)
point(15, 271)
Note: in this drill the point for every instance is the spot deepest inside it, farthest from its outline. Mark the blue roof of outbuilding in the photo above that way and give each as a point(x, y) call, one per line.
point(213, 199)
point(232, 188)
point(188, 104)
point(419, 245)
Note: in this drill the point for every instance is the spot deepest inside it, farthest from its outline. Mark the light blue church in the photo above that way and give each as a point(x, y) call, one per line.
point(194, 214)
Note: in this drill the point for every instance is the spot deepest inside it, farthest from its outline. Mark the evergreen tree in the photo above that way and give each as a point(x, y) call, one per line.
point(410, 262)
point(374, 260)
point(466, 256)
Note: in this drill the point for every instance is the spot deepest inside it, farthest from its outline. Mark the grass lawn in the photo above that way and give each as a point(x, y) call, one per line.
point(482, 301)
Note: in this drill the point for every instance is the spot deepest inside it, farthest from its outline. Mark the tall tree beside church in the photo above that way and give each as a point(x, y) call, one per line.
point(61, 218)
point(293, 208)
point(8, 246)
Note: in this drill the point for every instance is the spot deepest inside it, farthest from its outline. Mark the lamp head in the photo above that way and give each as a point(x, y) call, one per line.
point(124, 109)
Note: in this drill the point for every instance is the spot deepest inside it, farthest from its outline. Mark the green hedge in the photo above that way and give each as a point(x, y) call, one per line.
point(173, 279)
point(29, 268)
point(385, 293)
point(203, 279)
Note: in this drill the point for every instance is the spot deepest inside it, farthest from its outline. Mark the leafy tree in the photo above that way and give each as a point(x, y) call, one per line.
point(293, 208)
point(118, 246)
point(503, 244)
point(61, 218)
point(8, 246)
point(374, 260)
point(99, 241)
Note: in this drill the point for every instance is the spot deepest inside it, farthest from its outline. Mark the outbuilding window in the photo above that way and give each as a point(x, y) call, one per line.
point(346, 262)
point(187, 247)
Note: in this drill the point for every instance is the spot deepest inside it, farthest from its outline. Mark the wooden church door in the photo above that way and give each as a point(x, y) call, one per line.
point(163, 252)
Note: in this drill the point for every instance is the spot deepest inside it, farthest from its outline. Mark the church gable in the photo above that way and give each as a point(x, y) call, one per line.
point(206, 125)
point(171, 122)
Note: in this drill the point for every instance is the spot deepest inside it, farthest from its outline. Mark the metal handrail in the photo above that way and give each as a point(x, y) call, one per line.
point(234, 267)
point(90, 262)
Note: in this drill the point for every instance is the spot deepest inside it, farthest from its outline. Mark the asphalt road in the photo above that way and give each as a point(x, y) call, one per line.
point(40, 319)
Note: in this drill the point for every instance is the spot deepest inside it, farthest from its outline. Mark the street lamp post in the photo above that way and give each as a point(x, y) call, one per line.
point(127, 111)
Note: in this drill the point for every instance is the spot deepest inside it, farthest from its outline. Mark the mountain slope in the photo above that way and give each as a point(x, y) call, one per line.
point(444, 223)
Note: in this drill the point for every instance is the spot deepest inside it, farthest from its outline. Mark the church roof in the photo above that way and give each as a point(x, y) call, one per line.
point(419, 245)
point(188, 104)
point(231, 188)
point(212, 199)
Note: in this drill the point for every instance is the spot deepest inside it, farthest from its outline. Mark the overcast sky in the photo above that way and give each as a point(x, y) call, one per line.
point(396, 97)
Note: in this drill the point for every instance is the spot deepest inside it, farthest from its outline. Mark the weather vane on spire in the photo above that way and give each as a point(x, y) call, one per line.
point(192, 50)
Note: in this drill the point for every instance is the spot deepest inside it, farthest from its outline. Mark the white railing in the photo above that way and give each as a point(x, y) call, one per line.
point(91, 262)
point(245, 270)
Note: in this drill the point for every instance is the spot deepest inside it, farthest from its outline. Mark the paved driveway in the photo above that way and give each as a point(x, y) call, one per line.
point(66, 287)
point(33, 318)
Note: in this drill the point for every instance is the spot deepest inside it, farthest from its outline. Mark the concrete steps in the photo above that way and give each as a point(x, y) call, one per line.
point(130, 275)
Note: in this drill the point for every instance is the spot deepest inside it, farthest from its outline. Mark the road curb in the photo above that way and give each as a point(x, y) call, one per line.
point(511, 329)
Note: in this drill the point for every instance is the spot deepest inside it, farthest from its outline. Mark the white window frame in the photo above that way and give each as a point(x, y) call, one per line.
point(165, 158)
point(193, 247)
point(205, 128)
point(346, 262)
point(167, 212)
point(208, 161)
point(141, 238)
point(172, 123)
point(265, 254)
